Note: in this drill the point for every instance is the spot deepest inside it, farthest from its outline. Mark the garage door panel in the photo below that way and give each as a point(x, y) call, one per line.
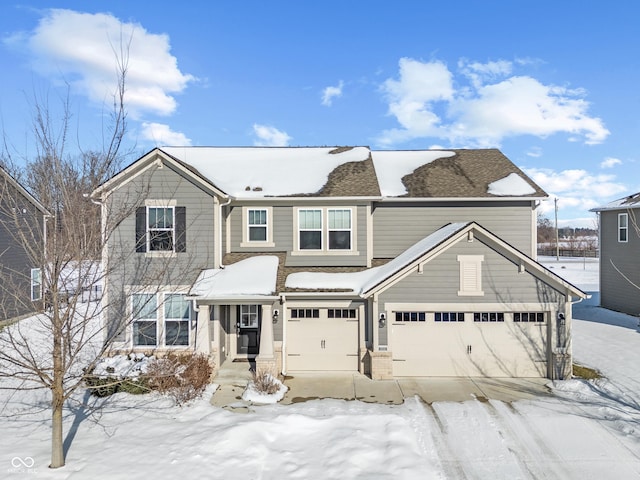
point(322, 344)
point(483, 349)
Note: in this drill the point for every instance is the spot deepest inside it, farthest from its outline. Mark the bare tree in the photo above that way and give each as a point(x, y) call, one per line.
point(66, 248)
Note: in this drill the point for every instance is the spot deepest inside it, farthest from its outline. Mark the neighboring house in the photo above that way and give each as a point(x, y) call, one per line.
point(22, 227)
point(620, 255)
point(391, 263)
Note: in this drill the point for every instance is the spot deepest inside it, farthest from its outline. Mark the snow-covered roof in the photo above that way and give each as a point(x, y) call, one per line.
point(513, 185)
point(630, 201)
point(361, 282)
point(255, 276)
point(254, 172)
point(392, 165)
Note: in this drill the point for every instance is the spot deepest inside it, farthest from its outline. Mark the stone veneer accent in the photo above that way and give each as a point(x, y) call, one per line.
point(381, 365)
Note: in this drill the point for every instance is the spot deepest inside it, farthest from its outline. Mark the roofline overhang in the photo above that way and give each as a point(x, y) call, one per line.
point(284, 199)
point(461, 199)
point(147, 161)
point(36, 203)
point(612, 209)
point(233, 299)
point(316, 294)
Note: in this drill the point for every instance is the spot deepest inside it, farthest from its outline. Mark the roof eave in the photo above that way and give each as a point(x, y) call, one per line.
point(461, 199)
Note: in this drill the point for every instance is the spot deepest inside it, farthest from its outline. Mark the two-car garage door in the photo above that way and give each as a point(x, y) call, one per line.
point(322, 339)
point(477, 344)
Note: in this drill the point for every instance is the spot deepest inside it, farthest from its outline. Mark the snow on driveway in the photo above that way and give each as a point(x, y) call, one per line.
point(588, 430)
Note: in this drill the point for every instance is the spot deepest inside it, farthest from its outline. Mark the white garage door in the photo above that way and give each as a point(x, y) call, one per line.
point(485, 344)
point(322, 340)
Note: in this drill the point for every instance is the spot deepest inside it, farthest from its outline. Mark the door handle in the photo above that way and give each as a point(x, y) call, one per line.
point(322, 343)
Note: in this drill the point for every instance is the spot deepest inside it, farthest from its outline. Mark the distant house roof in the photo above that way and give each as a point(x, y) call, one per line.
point(6, 177)
point(630, 201)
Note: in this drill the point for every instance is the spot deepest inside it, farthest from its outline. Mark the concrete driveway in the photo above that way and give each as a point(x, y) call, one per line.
point(233, 378)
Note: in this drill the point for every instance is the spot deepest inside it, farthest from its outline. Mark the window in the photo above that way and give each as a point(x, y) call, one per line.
point(36, 284)
point(470, 275)
point(145, 319)
point(310, 229)
point(161, 228)
point(177, 316)
point(339, 229)
point(257, 225)
point(449, 317)
point(411, 316)
point(305, 313)
point(623, 227)
point(530, 317)
point(249, 316)
point(341, 313)
point(488, 317)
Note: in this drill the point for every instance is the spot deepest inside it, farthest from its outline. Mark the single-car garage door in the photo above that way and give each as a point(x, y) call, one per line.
point(322, 339)
point(477, 344)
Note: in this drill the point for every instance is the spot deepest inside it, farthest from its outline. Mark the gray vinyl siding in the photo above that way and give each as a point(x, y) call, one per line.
point(398, 226)
point(16, 259)
point(617, 293)
point(440, 283)
point(284, 232)
point(128, 269)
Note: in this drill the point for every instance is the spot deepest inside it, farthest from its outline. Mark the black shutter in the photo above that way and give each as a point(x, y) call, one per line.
point(181, 229)
point(141, 229)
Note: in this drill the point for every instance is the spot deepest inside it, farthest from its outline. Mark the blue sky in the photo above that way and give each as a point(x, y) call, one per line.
point(554, 85)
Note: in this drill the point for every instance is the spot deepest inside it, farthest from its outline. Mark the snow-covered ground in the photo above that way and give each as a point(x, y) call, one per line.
point(588, 430)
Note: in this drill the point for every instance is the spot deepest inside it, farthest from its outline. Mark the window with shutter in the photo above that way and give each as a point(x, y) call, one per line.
point(161, 229)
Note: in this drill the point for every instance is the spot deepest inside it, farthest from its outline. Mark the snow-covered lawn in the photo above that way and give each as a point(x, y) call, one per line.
point(587, 430)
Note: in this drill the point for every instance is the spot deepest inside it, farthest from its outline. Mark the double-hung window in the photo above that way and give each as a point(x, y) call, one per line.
point(160, 229)
point(36, 284)
point(144, 307)
point(257, 225)
point(310, 229)
point(623, 227)
point(339, 229)
point(325, 230)
point(177, 316)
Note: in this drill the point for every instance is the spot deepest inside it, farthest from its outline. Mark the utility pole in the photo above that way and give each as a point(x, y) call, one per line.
point(555, 201)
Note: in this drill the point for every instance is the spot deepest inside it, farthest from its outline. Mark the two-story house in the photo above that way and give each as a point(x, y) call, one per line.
point(391, 263)
point(620, 254)
point(22, 237)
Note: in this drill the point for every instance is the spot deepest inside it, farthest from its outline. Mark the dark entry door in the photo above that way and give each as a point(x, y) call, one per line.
point(248, 329)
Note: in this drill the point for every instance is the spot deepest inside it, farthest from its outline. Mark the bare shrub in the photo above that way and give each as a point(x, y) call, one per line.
point(265, 382)
point(182, 377)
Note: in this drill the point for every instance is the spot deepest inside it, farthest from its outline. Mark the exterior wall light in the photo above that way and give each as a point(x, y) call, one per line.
point(382, 321)
point(276, 313)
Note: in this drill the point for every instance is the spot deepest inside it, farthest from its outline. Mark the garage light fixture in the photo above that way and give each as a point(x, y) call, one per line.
point(276, 313)
point(382, 321)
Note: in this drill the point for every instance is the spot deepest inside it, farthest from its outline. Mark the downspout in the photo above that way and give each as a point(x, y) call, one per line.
point(219, 228)
point(283, 302)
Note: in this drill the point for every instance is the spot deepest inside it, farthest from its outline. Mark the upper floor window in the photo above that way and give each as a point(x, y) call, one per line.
point(623, 227)
point(325, 230)
point(161, 228)
point(310, 229)
point(36, 284)
point(257, 227)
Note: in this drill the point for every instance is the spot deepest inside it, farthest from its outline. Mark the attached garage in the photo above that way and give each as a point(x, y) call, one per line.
point(475, 344)
point(322, 339)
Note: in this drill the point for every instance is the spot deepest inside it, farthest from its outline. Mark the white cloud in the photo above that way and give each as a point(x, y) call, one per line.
point(270, 136)
point(535, 152)
point(329, 93)
point(78, 48)
point(160, 134)
point(484, 104)
point(575, 189)
point(610, 162)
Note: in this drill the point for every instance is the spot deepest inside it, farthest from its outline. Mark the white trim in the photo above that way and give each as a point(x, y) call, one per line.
point(470, 275)
point(324, 232)
point(624, 229)
point(246, 242)
point(34, 284)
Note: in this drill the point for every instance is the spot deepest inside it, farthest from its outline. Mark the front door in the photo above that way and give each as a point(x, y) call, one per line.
point(248, 329)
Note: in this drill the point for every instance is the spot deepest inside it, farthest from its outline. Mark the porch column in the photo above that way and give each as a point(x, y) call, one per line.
point(203, 338)
point(266, 358)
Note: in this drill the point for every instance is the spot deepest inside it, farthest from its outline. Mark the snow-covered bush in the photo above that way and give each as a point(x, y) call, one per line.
point(265, 388)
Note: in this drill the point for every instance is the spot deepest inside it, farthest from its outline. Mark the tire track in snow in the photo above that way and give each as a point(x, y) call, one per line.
point(524, 443)
point(431, 434)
